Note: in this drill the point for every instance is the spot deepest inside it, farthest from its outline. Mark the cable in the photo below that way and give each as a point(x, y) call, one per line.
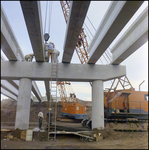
point(92, 35)
point(105, 58)
point(91, 23)
point(87, 34)
point(50, 14)
point(45, 17)
point(89, 30)
point(107, 55)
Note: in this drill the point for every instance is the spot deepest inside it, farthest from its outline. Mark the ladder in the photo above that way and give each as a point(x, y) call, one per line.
point(53, 99)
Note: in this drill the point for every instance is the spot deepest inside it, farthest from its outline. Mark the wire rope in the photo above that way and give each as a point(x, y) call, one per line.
point(88, 30)
point(91, 23)
point(50, 14)
point(45, 17)
point(96, 30)
point(87, 34)
point(107, 55)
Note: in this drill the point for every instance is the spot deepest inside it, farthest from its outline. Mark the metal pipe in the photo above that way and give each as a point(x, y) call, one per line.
point(140, 84)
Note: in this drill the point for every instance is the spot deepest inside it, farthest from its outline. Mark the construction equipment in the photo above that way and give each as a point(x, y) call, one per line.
point(124, 109)
point(71, 107)
point(129, 105)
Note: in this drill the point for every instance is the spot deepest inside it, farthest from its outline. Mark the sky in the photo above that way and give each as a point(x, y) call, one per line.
point(136, 64)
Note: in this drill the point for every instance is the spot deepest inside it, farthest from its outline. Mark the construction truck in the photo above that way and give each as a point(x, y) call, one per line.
point(72, 110)
point(124, 109)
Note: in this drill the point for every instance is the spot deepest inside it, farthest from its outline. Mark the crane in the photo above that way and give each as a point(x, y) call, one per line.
point(110, 98)
point(72, 109)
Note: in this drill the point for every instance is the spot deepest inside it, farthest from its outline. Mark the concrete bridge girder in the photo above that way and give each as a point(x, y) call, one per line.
point(33, 18)
point(32, 15)
point(10, 88)
point(9, 44)
point(8, 94)
point(7, 86)
point(77, 13)
point(117, 16)
point(135, 36)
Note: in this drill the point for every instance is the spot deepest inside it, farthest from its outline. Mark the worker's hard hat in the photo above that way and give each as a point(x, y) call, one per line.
point(50, 42)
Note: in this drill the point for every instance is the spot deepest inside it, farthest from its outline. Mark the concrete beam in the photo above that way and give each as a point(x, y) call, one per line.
point(66, 72)
point(12, 87)
point(32, 14)
point(8, 94)
point(47, 87)
point(14, 83)
point(117, 16)
point(9, 44)
point(77, 13)
point(36, 91)
point(7, 86)
point(133, 38)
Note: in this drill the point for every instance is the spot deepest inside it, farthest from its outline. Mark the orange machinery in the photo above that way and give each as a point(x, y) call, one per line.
point(71, 107)
point(124, 109)
point(126, 103)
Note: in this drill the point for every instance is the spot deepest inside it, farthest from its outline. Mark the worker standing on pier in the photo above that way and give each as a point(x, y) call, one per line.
point(49, 48)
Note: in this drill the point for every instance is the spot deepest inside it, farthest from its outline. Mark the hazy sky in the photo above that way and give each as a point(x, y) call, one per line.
point(136, 64)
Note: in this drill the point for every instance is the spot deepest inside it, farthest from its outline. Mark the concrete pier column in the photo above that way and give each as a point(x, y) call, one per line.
point(97, 105)
point(23, 104)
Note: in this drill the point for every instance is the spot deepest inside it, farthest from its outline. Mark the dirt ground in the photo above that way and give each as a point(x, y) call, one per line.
point(111, 139)
point(114, 140)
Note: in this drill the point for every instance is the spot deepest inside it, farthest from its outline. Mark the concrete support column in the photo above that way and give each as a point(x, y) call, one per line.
point(23, 104)
point(97, 105)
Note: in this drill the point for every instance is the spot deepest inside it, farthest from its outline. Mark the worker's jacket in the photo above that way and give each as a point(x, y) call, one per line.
point(49, 46)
